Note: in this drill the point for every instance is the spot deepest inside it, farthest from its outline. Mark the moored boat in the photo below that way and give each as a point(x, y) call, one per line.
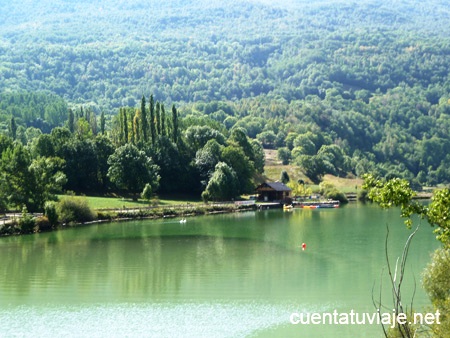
point(318, 204)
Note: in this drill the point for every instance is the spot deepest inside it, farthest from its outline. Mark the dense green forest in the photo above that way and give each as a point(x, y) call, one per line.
point(337, 87)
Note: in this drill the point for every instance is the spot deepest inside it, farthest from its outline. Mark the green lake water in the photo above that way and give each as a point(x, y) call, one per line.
point(232, 275)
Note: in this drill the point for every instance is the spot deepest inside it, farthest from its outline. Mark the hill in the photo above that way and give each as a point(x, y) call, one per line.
point(370, 77)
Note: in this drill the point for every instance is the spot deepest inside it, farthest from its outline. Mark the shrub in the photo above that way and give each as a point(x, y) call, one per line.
point(74, 209)
point(363, 195)
point(51, 213)
point(43, 223)
point(26, 222)
point(335, 194)
point(147, 192)
point(106, 215)
point(437, 286)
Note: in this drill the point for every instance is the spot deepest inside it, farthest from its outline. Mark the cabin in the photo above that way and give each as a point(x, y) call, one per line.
point(273, 192)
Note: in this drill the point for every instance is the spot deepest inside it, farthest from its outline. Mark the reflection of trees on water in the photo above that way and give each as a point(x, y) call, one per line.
point(251, 256)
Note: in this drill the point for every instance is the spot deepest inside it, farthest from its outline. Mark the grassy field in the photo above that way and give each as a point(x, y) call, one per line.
point(274, 168)
point(97, 203)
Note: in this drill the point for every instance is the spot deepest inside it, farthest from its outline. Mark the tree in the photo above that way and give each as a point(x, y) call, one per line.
point(284, 177)
point(397, 192)
point(29, 183)
point(130, 169)
point(13, 128)
point(136, 128)
point(437, 285)
point(242, 166)
point(259, 157)
point(104, 148)
point(163, 120)
point(147, 192)
point(313, 166)
point(223, 185)
point(174, 124)
point(206, 160)
point(82, 165)
point(144, 120)
point(198, 136)
point(158, 118)
point(284, 155)
point(102, 123)
point(124, 126)
point(152, 120)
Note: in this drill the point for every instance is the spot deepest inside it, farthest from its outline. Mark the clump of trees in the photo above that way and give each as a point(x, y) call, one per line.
point(143, 147)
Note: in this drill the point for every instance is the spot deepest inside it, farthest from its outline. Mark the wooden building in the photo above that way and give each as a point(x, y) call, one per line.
point(273, 192)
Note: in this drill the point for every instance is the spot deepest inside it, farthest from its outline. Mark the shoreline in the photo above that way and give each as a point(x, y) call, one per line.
point(12, 227)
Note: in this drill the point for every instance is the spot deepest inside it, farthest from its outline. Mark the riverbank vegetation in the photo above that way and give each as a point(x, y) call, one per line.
point(78, 210)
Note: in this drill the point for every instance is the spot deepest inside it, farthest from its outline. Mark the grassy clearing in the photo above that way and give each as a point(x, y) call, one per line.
point(99, 202)
point(274, 168)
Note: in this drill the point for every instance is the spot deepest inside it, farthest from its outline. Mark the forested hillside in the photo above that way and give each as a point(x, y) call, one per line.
point(341, 88)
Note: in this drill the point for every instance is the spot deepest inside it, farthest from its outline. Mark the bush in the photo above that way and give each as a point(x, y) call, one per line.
point(43, 223)
point(147, 192)
point(74, 209)
point(437, 285)
point(335, 194)
point(363, 195)
point(50, 212)
point(328, 190)
point(26, 222)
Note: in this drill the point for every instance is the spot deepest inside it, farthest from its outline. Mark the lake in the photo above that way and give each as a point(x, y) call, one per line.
point(230, 275)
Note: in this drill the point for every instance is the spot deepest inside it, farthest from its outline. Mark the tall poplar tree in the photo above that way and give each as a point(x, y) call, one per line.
point(93, 123)
point(137, 127)
point(121, 136)
point(144, 122)
point(125, 125)
point(174, 124)
point(131, 130)
point(152, 119)
point(102, 123)
point(158, 118)
point(163, 120)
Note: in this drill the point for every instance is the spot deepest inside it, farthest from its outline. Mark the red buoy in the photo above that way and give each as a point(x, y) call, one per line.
point(303, 246)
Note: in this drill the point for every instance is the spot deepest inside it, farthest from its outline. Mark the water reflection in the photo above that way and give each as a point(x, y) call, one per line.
point(220, 262)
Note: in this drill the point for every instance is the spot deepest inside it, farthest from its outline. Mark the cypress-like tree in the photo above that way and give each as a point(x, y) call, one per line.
point(131, 130)
point(174, 124)
point(88, 115)
point(163, 120)
point(71, 121)
point(158, 118)
point(125, 126)
point(102, 123)
point(144, 120)
point(137, 128)
point(152, 119)
point(121, 136)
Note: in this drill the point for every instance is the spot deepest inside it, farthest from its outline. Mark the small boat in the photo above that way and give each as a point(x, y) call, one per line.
point(319, 204)
point(183, 220)
point(287, 207)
